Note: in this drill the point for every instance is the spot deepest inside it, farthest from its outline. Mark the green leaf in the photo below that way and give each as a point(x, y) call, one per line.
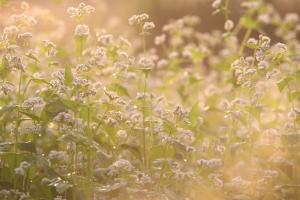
point(31, 115)
point(294, 95)
point(284, 82)
point(23, 146)
point(248, 22)
point(4, 67)
point(39, 81)
point(134, 149)
point(68, 75)
point(169, 126)
point(6, 109)
point(51, 109)
point(119, 89)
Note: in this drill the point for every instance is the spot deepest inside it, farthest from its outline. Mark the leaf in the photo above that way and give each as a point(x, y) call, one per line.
point(134, 149)
point(73, 105)
point(39, 81)
point(51, 109)
point(119, 89)
point(68, 75)
point(31, 115)
point(294, 95)
point(168, 126)
point(23, 146)
point(248, 22)
point(4, 67)
point(7, 109)
point(80, 140)
point(255, 111)
point(284, 82)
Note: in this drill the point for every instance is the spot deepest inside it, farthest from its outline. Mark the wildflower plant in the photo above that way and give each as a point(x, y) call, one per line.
point(189, 115)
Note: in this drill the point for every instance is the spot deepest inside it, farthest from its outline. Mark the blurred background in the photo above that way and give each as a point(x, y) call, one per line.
point(113, 14)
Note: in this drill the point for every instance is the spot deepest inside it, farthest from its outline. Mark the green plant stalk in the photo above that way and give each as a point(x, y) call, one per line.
point(90, 167)
point(163, 167)
point(295, 156)
point(244, 41)
point(145, 148)
point(17, 125)
point(144, 126)
point(226, 10)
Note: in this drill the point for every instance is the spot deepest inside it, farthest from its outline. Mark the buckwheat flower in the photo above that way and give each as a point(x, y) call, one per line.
point(20, 171)
point(252, 43)
point(146, 63)
point(160, 39)
point(215, 163)
point(138, 19)
point(16, 63)
point(59, 198)
point(162, 63)
point(82, 67)
point(262, 65)
point(45, 181)
point(6, 88)
point(122, 134)
point(5, 193)
point(58, 156)
point(105, 39)
point(123, 164)
point(291, 18)
point(185, 136)
point(81, 11)
point(25, 165)
point(148, 26)
point(33, 102)
point(173, 55)
point(281, 47)
point(228, 26)
point(82, 30)
point(63, 117)
point(251, 4)
point(10, 32)
point(264, 42)
point(28, 127)
point(217, 4)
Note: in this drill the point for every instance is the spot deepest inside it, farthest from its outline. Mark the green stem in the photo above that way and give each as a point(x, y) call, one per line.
point(244, 41)
point(144, 125)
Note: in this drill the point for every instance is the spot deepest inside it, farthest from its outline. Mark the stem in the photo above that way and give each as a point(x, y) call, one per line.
point(90, 166)
point(17, 126)
point(226, 10)
point(244, 41)
point(144, 125)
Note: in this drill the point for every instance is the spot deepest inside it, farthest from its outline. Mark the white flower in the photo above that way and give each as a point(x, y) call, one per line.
point(20, 171)
point(148, 26)
point(228, 26)
point(217, 4)
point(122, 134)
point(138, 19)
point(160, 39)
point(146, 63)
point(82, 30)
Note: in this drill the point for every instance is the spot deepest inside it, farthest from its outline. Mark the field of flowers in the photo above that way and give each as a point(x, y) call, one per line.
point(150, 114)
